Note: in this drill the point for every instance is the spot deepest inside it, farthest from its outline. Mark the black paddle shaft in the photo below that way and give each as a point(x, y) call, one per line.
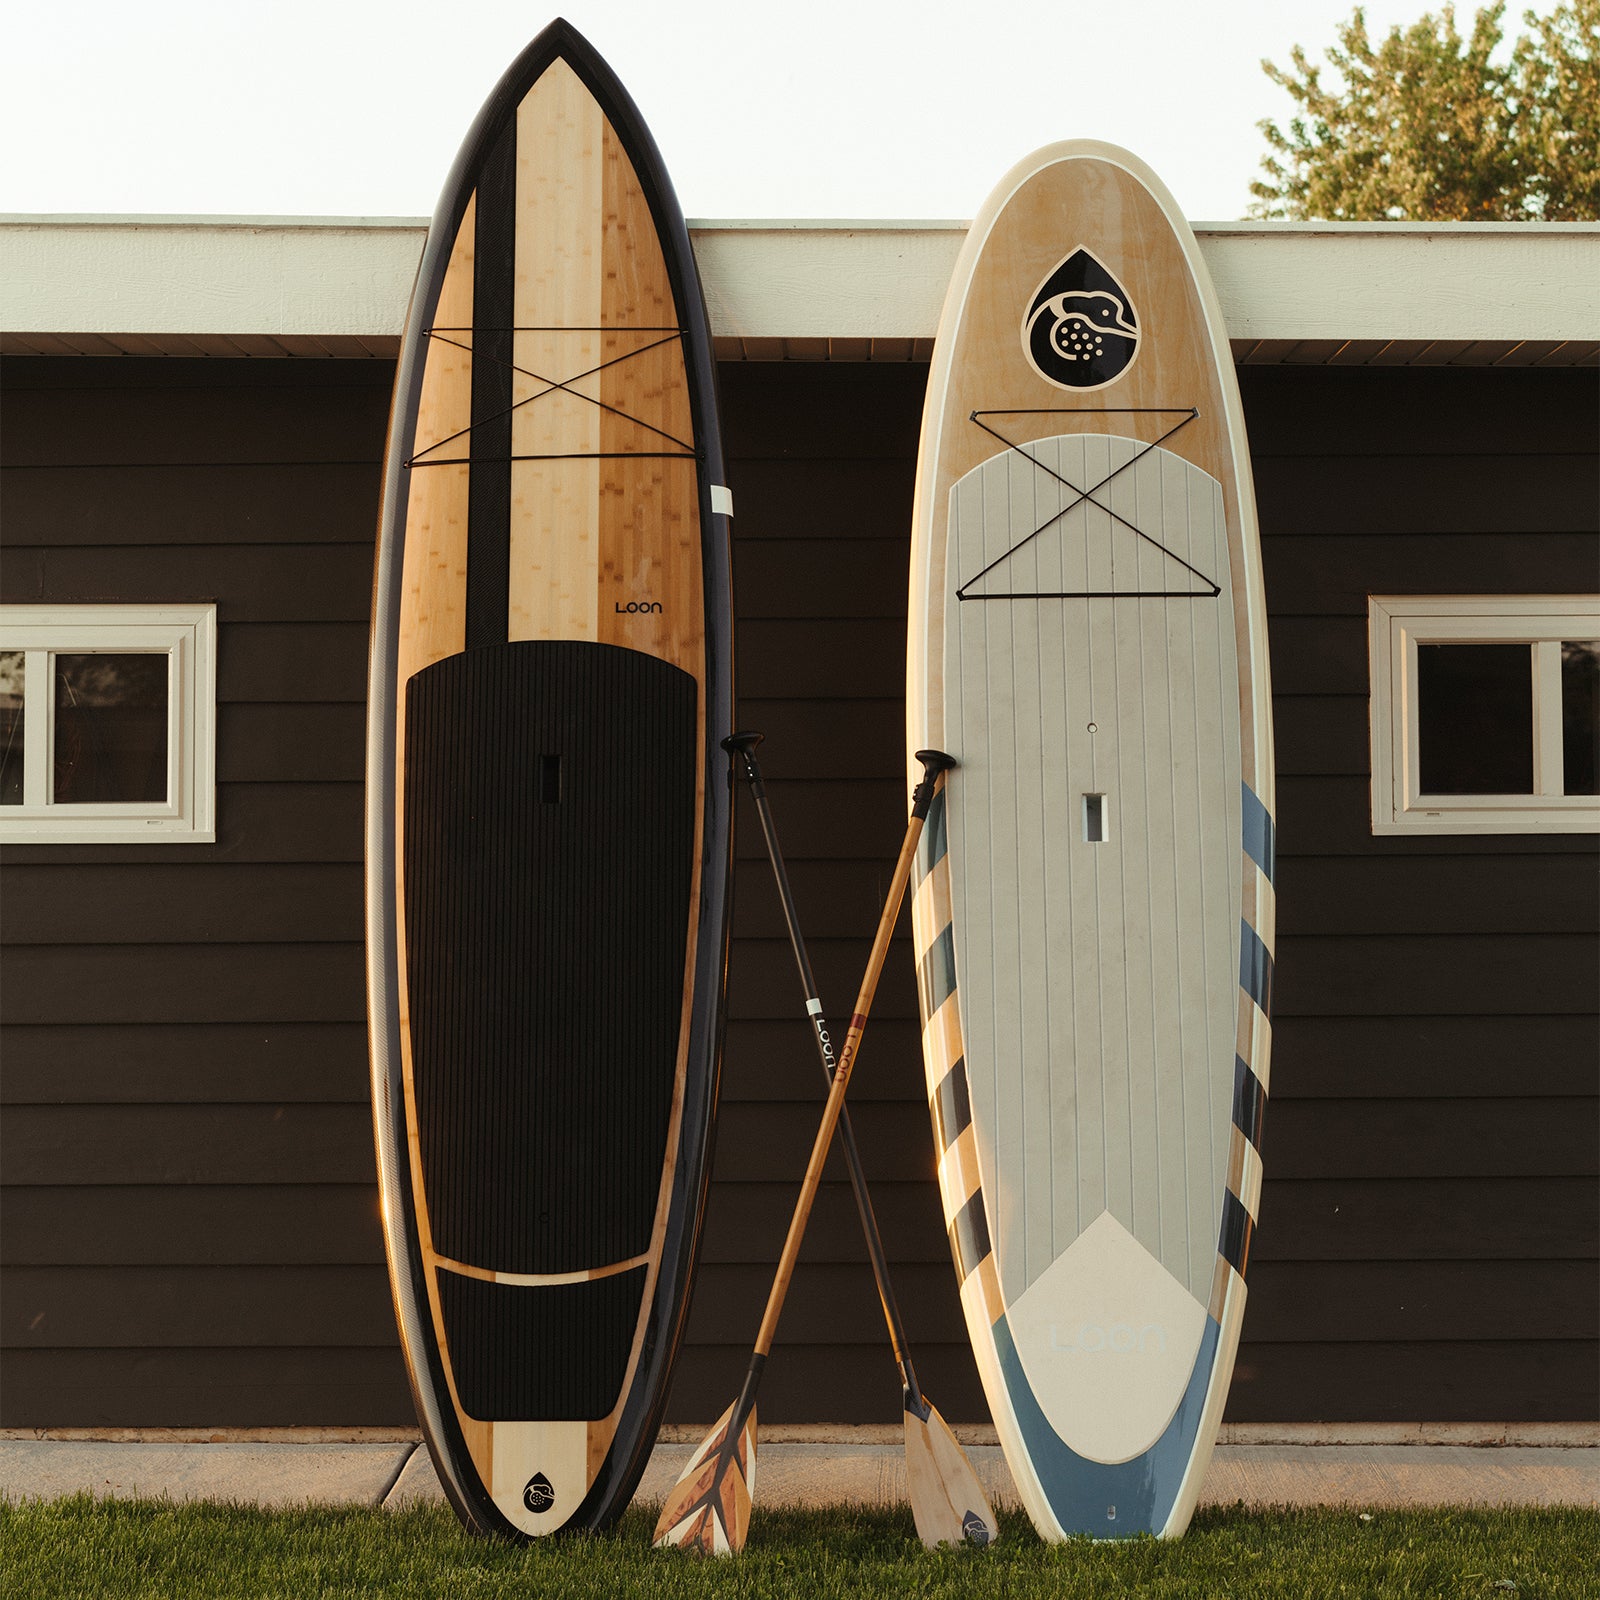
point(742, 747)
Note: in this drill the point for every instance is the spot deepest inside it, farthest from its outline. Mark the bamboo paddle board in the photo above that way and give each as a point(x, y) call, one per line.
point(548, 807)
point(1094, 914)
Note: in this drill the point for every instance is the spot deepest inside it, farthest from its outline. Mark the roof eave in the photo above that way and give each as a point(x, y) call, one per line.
point(1466, 293)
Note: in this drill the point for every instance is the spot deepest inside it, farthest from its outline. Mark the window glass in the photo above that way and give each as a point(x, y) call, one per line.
point(1580, 714)
point(13, 670)
point(1475, 718)
point(111, 727)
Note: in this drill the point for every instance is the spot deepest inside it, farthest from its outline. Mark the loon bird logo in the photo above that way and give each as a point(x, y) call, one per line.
point(538, 1495)
point(976, 1529)
point(1081, 331)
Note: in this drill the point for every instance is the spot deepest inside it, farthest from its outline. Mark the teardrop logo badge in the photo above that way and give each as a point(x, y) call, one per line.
point(538, 1495)
point(1081, 331)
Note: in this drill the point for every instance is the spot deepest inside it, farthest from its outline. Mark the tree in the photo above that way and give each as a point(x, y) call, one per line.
point(1557, 74)
point(1429, 126)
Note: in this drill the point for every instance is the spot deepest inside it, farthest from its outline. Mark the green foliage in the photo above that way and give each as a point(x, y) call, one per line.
point(1557, 75)
point(79, 1549)
point(1428, 126)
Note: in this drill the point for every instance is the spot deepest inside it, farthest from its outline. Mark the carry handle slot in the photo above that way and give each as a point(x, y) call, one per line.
point(1096, 819)
point(550, 780)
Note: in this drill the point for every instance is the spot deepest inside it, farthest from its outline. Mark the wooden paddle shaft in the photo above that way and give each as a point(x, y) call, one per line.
point(742, 746)
point(934, 763)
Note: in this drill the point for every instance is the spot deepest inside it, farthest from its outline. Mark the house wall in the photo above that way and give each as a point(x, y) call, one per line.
point(189, 1213)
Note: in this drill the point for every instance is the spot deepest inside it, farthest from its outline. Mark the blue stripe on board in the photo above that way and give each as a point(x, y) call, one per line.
point(952, 1105)
point(969, 1237)
point(936, 972)
point(1249, 1103)
point(1260, 836)
point(1255, 968)
point(1233, 1242)
point(935, 840)
point(1117, 1500)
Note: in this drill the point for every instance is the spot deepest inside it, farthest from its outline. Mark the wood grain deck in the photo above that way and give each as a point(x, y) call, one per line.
point(605, 545)
point(1088, 639)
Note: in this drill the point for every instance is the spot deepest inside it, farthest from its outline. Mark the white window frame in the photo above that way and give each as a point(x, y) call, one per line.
point(1396, 625)
point(187, 635)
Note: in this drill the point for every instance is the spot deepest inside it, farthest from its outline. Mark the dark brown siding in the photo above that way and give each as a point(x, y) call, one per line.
point(1429, 1224)
point(189, 1221)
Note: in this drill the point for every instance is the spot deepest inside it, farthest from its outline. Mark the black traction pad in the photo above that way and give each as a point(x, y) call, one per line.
point(530, 1353)
point(549, 845)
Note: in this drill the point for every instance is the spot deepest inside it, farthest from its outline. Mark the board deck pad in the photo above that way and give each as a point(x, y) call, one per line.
point(526, 1352)
point(549, 811)
point(1093, 916)
point(548, 821)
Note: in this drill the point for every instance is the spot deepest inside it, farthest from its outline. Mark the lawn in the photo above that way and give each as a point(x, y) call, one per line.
point(77, 1549)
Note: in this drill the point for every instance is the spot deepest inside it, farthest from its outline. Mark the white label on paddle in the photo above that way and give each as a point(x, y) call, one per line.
point(814, 1007)
point(721, 500)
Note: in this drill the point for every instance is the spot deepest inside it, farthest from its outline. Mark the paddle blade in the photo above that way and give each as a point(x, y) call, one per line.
point(947, 1500)
point(708, 1508)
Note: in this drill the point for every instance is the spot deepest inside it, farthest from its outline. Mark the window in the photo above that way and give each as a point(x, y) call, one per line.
point(1485, 713)
point(107, 723)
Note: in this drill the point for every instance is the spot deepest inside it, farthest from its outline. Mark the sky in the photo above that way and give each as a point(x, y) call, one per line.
point(817, 108)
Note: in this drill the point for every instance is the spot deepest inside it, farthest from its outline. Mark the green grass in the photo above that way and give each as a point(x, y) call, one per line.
point(78, 1549)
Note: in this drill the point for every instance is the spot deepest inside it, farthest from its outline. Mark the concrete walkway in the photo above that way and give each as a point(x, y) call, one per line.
point(398, 1473)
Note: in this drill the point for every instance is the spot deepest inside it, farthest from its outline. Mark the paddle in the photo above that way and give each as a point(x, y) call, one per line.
point(947, 1501)
point(708, 1508)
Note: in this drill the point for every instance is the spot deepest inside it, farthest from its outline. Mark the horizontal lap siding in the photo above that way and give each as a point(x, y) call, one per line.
point(1430, 1140)
point(190, 1225)
point(222, 1307)
point(284, 1224)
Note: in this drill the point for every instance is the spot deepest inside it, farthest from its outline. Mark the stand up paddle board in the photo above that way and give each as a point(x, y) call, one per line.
point(1094, 918)
point(548, 806)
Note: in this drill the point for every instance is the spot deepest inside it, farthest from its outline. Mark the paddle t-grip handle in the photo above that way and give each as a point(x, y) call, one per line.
point(933, 762)
point(742, 746)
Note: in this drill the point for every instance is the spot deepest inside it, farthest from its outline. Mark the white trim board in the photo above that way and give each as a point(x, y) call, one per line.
point(84, 279)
